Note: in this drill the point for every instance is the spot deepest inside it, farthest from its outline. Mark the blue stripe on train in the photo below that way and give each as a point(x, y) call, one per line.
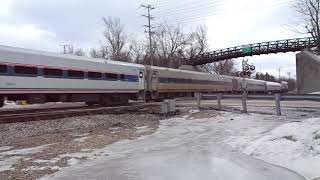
point(131, 78)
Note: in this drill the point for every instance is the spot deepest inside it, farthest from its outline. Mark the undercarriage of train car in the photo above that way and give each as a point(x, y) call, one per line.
point(89, 99)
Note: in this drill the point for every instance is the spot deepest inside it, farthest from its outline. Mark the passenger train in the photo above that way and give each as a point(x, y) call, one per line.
point(40, 77)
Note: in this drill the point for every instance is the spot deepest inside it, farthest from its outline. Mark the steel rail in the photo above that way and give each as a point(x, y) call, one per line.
point(58, 114)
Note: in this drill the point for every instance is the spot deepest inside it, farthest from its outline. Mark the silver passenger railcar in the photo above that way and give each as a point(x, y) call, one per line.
point(40, 77)
point(273, 87)
point(43, 77)
point(168, 83)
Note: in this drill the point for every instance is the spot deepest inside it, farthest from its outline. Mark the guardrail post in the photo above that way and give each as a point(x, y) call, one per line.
point(198, 96)
point(219, 101)
point(278, 106)
point(244, 102)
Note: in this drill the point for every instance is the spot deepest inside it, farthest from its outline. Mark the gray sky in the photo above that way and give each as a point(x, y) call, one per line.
point(45, 24)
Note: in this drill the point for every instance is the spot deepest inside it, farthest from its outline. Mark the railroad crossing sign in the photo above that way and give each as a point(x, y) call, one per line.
point(247, 69)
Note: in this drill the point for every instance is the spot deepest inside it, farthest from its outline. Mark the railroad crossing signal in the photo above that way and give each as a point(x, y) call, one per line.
point(247, 69)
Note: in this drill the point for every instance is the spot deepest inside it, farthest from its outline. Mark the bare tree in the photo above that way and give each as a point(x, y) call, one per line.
point(198, 41)
point(138, 51)
point(309, 13)
point(69, 49)
point(79, 52)
point(198, 44)
point(116, 39)
point(102, 52)
point(226, 67)
point(169, 41)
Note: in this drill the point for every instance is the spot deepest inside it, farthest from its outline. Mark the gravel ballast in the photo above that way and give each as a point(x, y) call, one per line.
point(31, 150)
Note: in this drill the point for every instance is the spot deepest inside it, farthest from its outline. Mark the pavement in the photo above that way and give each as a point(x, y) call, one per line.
point(185, 148)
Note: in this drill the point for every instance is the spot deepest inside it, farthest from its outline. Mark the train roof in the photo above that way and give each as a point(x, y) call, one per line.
point(65, 56)
point(272, 83)
point(182, 70)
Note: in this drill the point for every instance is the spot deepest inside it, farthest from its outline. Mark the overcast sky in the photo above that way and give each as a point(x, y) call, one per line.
point(46, 24)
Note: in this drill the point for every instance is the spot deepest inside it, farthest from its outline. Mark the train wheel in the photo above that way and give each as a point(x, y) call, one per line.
point(1, 101)
point(124, 102)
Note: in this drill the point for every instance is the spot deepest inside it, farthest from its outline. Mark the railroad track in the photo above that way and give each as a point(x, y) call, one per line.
point(58, 113)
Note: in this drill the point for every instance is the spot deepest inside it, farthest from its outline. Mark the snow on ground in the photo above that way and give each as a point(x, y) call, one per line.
point(40, 168)
point(294, 145)
point(185, 148)
point(143, 129)
point(11, 157)
point(315, 92)
point(82, 139)
point(5, 148)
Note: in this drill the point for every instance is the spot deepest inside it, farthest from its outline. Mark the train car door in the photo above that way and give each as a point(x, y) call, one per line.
point(235, 84)
point(142, 76)
point(154, 80)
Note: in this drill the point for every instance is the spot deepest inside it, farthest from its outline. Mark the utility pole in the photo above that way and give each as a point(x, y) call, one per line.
point(279, 72)
point(289, 73)
point(149, 31)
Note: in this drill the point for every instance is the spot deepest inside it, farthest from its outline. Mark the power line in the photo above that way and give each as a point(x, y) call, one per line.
point(182, 20)
point(191, 13)
point(193, 6)
point(149, 31)
point(178, 3)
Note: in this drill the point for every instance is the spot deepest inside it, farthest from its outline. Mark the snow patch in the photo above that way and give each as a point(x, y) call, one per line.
point(315, 92)
point(51, 161)
point(86, 150)
point(9, 158)
point(192, 111)
point(80, 135)
point(143, 129)
point(7, 163)
point(293, 145)
point(74, 155)
point(37, 168)
point(82, 139)
point(5, 148)
point(73, 161)
point(25, 151)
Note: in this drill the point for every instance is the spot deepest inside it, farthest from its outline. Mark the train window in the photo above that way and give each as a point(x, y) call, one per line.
point(25, 70)
point(94, 75)
point(3, 68)
point(131, 78)
point(122, 77)
point(75, 74)
point(52, 72)
point(111, 76)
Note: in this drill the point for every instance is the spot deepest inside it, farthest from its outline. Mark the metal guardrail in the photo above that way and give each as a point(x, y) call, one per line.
point(285, 97)
point(277, 97)
point(288, 45)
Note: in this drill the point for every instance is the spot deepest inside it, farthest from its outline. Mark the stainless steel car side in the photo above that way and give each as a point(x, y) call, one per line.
point(40, 77)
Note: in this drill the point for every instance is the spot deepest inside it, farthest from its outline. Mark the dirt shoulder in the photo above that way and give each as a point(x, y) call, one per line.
point(34, 149)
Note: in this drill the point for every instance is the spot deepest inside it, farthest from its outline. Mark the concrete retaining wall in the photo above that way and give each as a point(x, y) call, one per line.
point(308, 72)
